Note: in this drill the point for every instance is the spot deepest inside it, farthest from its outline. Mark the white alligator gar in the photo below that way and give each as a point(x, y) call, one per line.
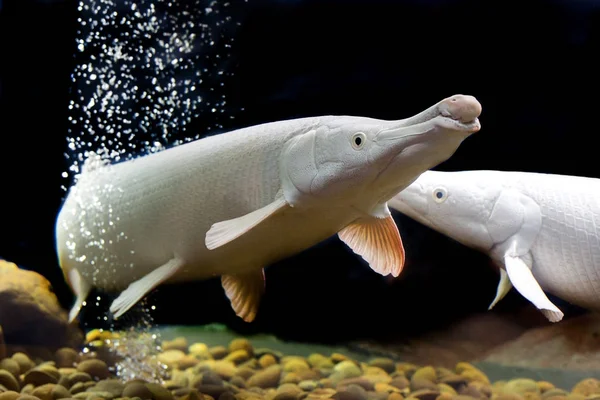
point(542, 230)
point(230, 205)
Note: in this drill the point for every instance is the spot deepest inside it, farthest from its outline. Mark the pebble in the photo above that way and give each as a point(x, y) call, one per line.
point(136, 389)
point(9, 381)
point(66, 357)
point(241, 344)
point(94, 367)
point(269, 377)
point(238, 371)
point(179, 343)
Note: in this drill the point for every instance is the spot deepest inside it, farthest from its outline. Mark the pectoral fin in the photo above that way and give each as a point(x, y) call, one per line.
point(504, 287)
point(523, 280)
point(378, 241)
point(81, 288)
point(245, 291)
point(224, 232)
point(140, 288)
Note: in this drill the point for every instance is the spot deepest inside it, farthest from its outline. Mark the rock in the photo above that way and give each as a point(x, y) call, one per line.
point(427, 373)
point(212, 390)
point(9, 395)
point(352, 392)
point(241, 344)
point(25, 363)
point(93, 395)
point(315, 360)
point(337, 357)
point(425, 394)
point(286, 396)
point(381, 387)
point(11, 366)
point(587, 387)
point(137, 389)
point(444, 388)
point(218, 352)
point(360, 381)
point(66, 357)
point(211, 378)
point(400, 382)
point(38, 377)
point(159, 392)
point(238, 381)
point(9, 381)
point(179, 343)
point(269, 377)
point(521, 386)
point(573, 344)
point(198, 349)
point(421, 383)
point(296, 365)
point(267, 360)
point(308, 385)
point(387, 364)
point(225, 369)
point(238, 356)
point(113, 386)
point(27, 397)
point(79, 376)
point(26, 299)
point(171, 358)
point(347, 369)
point(554, 393)
point(95, 368)
point(544, 386)
point(245, 372)
point(50, 391)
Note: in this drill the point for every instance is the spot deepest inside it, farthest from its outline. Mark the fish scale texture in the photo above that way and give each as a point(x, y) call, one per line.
point(566, 253)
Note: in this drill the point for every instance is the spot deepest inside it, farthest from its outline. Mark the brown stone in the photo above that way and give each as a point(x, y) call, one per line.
point(26, 300)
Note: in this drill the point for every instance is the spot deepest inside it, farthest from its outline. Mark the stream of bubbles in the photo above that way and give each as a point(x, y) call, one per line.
point(145, 70)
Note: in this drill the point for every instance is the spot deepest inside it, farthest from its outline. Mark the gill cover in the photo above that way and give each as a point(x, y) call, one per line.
point(298, 167)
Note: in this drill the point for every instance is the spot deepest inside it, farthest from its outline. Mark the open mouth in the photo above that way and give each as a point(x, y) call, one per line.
point(468, 126)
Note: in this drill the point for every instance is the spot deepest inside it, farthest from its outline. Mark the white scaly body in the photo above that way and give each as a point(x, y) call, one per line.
point(550, 222)
point(231, 204)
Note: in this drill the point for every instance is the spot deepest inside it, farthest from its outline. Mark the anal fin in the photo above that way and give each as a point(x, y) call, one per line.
point(378, 242)
point(503, 288)
point(244, 292)
point(523, 280)
point(140, 288)
point(224, 232)
point(81, 288)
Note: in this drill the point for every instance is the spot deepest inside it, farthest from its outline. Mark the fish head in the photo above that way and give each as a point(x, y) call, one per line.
point(366, 160)
point(404, 149)
point(456, 204)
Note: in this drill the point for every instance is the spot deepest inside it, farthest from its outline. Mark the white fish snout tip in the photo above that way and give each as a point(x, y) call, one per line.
point(462, 108)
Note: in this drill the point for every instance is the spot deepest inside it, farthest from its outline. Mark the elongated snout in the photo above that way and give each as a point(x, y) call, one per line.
point(460, 107)
point(456, 113)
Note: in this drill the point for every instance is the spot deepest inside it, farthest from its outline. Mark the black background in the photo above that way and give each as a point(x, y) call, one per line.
point(531, 64)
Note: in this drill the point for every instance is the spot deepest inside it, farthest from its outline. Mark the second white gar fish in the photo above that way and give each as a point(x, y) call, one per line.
point(541, 230)
point(231, 204)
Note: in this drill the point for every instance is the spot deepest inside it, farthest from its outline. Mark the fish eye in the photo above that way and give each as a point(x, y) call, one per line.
point(440, 195)
point(358, 140)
